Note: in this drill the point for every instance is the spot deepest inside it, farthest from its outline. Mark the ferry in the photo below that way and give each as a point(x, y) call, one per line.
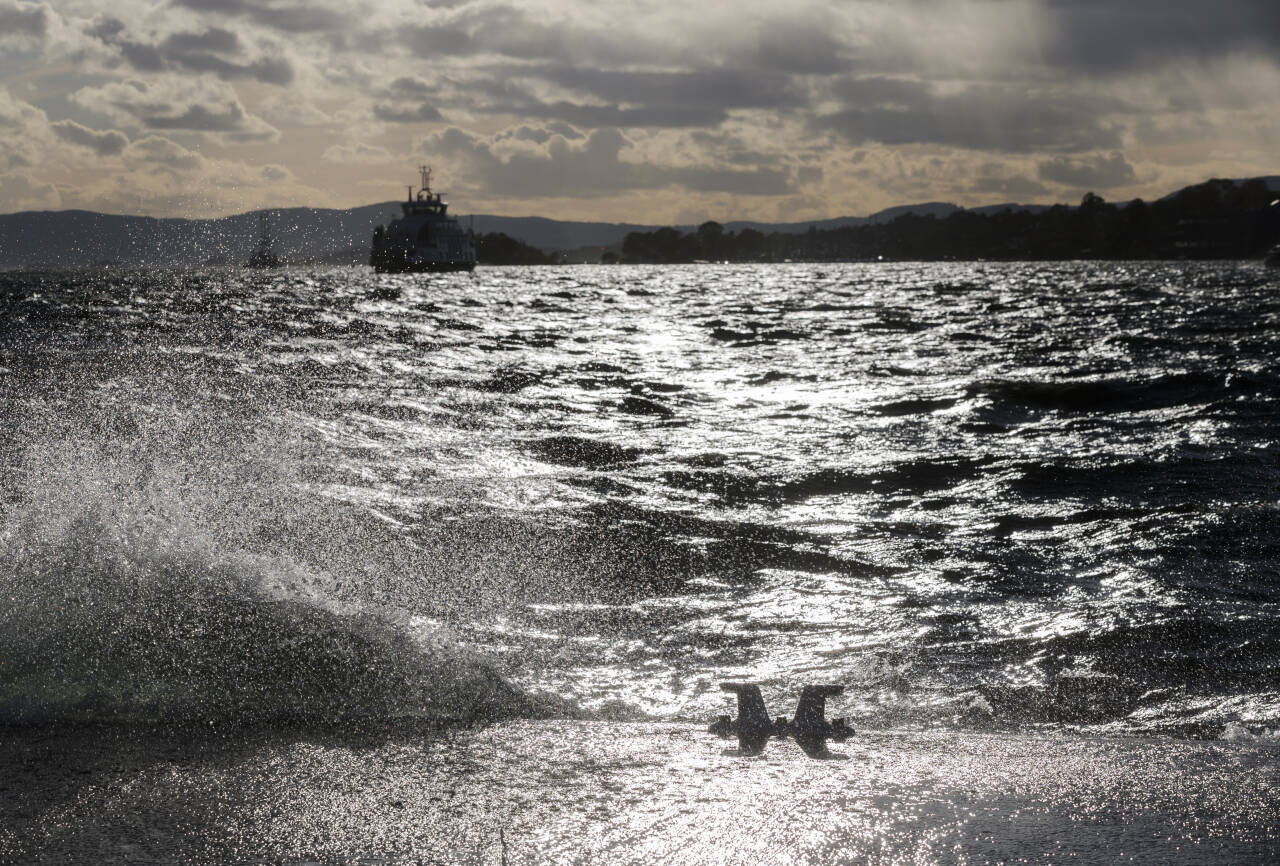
point(425, 238)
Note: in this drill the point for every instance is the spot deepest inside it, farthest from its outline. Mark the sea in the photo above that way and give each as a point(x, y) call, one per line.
point(1028, 498)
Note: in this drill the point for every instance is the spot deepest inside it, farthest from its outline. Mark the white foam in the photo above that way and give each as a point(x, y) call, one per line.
point(1235, 732)
point(126, 597)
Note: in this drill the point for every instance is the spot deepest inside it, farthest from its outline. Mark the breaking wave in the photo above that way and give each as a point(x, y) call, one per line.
point(127, 599)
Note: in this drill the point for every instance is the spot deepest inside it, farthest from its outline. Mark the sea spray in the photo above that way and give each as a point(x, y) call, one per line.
point(122, 602)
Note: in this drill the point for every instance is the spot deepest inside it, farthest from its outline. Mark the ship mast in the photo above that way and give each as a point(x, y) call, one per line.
point(425, 171)
point(264, 233)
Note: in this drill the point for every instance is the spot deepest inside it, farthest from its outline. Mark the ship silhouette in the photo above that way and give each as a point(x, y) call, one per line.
point(264, 256)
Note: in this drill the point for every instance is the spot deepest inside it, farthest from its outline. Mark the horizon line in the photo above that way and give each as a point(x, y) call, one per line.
point(393, 202)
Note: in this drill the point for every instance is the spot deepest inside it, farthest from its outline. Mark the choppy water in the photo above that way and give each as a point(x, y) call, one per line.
point(981, 496)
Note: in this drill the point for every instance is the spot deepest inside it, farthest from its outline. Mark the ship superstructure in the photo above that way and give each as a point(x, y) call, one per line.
point(425, 238)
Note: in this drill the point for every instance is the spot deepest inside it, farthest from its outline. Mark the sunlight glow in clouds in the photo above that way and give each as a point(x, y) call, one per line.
point(637, 110)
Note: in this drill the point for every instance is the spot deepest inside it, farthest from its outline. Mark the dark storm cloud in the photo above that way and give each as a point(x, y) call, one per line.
point(24, 20)
point(293, 18)
point(410, 86)
point(728, 148)
point(1109, 36)
point(509, 32)
point(594, 168)
point(541, 135)
point(144, 58)
point(429, 42)
point(809, 174)
point(422, 113)
point(757, 181)
point(803, 48)
point(602, 116)
point(213, 39)
point(881, 90)
point(201, 52)
point(202, 118)
point(171, 103)
point(994, 178)
point(526, 133)
point(102, 142)
point(106, 29)
point(1098, 171)
point(628, 99)
point(722, 88)
point(195, 51)
point(268, 70)
point(565, 131)
point(898, 112)
point(503, 31)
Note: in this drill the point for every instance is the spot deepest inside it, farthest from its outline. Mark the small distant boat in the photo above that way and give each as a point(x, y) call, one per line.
point(1273, 257)
point(425, 238)
point(264, 256)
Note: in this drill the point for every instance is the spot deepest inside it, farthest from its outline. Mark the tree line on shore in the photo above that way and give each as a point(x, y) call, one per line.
point(1218, 219)
point(497, 248)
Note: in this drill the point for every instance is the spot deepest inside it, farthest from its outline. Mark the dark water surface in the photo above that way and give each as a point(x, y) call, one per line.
point(981, 496)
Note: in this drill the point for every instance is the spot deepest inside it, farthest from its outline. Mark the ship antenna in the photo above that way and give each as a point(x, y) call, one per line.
point(425, 170)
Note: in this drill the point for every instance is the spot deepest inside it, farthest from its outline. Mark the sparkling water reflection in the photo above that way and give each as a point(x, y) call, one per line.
point(979, 495)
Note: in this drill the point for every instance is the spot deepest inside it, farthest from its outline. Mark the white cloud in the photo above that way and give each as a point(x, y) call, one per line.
point(293, 110)
point(346, 154)
point(177, 104)
point(24, 133)
point(19, 192)
point(275, 173)
point(574, 107)
point(154, 151)
point(108, 142)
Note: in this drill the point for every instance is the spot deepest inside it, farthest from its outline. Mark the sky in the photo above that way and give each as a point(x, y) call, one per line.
point(645, 111)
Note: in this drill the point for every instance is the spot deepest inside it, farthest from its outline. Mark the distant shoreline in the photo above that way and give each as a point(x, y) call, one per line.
point(1218, 219)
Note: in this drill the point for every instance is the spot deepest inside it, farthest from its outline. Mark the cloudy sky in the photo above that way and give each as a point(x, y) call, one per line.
point(629, 110)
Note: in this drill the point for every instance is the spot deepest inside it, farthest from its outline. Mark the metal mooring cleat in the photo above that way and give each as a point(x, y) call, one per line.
point(752, 727)
point(809, 728)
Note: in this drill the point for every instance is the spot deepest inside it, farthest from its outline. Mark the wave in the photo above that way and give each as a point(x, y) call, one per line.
point(1235, 732)
point(1165, 479)
point(916, 476)
point(579, 451)
point(1124, 395)
point(126, 600)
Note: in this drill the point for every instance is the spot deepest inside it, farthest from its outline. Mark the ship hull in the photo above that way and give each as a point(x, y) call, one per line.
point(424, 267)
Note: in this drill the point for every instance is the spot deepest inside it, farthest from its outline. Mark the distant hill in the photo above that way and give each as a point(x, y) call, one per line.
point(935, 208)
point(1217, 219)
point(76, 238)
point(1272, 182)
